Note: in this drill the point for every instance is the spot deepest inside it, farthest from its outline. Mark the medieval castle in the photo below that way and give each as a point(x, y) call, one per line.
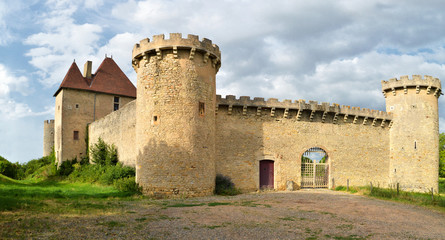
point(179, 134)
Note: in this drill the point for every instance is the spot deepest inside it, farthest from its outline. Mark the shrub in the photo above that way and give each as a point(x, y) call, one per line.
point(7, 168)
point(66, 168)
point(225, 186)
point(103, 154)
point(112, 173)
point(127, 184)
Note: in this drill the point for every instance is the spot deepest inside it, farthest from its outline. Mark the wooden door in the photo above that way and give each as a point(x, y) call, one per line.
point(266, 174)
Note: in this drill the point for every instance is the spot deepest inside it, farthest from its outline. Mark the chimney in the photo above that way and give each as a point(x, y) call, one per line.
point(87, 69)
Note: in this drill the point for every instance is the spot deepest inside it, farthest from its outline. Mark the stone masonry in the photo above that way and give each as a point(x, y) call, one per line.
point(179, 134)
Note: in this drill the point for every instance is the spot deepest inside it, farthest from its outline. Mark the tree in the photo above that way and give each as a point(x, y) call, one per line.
point(442, 155)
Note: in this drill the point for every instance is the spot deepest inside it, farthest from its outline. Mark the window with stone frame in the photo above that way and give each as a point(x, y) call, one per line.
point(116, 103)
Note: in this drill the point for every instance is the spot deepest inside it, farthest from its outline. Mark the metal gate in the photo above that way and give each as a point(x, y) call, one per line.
point(314, 168)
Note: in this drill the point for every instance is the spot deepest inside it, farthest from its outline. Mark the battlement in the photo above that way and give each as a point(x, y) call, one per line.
point(175, 43)
point(48, 121)
point(301, 105)
point(428, 82)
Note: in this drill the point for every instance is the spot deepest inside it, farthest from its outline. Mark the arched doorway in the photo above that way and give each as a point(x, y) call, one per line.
point(314, 168)
point(266, 174)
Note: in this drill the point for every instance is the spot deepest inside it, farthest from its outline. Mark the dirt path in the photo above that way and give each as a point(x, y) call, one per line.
point(315, 214)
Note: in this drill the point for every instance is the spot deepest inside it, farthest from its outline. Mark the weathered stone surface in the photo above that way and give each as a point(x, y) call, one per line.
point(179, 134)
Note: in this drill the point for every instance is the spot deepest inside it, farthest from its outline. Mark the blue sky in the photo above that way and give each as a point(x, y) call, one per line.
point(329, 51)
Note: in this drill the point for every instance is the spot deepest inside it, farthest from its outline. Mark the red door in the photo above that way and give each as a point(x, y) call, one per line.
point(266, 174)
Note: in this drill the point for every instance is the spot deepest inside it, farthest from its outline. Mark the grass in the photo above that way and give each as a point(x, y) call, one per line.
point(56, 196)
point(442, 185)
point(425, 199)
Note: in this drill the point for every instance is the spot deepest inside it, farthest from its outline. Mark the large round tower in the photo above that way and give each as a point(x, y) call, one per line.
point(175, 115)
point(414, 134)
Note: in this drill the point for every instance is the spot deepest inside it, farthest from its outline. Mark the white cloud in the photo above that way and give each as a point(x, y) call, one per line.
point(60, 42)
point(11, 109)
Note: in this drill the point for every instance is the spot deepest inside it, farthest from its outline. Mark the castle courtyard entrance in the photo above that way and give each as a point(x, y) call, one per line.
point(314, 168)
point(266, 174)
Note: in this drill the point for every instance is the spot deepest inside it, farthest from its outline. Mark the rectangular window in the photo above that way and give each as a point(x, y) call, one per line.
point(76, 135)
point(202, 109)
point(116, 103)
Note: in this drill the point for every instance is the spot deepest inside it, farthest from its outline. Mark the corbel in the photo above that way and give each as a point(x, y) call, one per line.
point(175, 51)
point(206, 57)
point(272, 112)
point(365, 120)
point(286, 113)
point(335, 118)
point(192, 53)
point(158, 54)
point(374, 122)
point(244, 110)
point(355, 119)
point(312, 115)
point(323, 118)
point(229, 110)
point(299, 114)
point(258, 111)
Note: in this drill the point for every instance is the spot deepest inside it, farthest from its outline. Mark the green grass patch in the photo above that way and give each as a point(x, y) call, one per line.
point(55, 196)
point(426, 199)
point(186, 205)
point(441, 185)
point(212, 204)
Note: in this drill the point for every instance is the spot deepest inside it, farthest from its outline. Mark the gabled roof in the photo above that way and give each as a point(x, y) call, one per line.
point(108, 78)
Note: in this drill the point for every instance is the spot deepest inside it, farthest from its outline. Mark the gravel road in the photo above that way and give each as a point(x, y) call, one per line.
point(304, 214)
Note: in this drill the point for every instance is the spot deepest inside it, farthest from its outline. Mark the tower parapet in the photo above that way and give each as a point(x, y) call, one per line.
point(431, 84)
point(175, 115)
point(146, 47)
point(414, 135)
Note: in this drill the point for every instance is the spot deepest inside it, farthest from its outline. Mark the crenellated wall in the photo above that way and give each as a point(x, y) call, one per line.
point(356, 140)
point(299, 107)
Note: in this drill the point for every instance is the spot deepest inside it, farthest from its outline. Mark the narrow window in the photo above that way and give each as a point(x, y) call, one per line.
point(415, 145)
point(76, 135)
point(155, 119)
point(116, 103)
point(77, 105)
point(201, 109)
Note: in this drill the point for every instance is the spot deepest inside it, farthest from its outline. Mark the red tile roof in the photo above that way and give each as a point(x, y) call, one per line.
point(108, 78)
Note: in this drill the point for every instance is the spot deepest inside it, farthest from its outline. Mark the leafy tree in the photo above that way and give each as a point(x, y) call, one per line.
point(442, 155)
point(103, 154)
point(7, 168)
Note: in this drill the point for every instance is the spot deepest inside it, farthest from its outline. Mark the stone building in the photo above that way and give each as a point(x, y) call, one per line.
point(179, 134)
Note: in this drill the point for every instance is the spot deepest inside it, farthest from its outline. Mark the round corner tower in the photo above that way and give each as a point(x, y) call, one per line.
point(414, 134)
point(48, 137)
point(175, 115)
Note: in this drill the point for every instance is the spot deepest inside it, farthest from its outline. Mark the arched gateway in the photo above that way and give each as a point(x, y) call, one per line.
point(314, 168)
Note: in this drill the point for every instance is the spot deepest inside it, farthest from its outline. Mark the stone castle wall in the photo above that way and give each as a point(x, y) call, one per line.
point(414, 136)
point(118, 128)
point(249, 131)
point(175, 115)
point(179, 134)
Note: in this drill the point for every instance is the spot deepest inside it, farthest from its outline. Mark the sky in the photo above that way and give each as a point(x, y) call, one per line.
point(327, 51)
